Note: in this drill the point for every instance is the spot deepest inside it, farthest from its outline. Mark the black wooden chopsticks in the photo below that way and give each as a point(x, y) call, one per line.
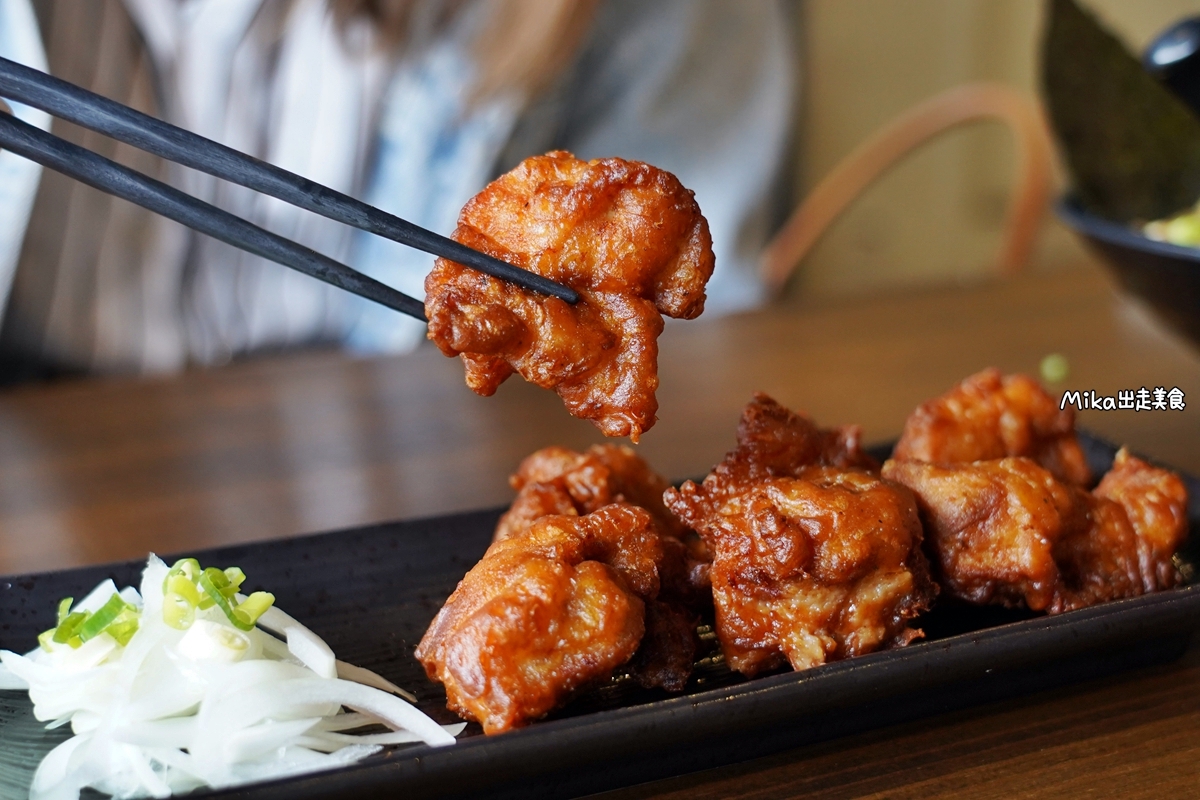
point(75, 104)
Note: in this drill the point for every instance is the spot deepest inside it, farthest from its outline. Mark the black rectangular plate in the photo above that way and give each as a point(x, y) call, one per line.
point(371, 592)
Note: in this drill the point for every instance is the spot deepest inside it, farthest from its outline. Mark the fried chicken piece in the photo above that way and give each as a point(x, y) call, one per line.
point(544, 614)
point(1097, 554)
point(627, 236)
point(814, 558)
point(1155, 501)
point(1006, 531)
point(555, 480)
point(992, 526)
point(812, 568)
point(773, 441)
point(990, 416)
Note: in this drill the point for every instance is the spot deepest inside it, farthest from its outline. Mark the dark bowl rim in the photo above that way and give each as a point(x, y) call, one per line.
point(1070, 210)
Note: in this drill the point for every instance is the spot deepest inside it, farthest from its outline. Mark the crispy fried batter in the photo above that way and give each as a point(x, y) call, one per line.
point(814, 559)
point(991, 527)
point(555, 480)
point(990, 416)
point(546, 613)
point(810, 569)
point(1007, 531)
point(1155, 501)
point(627, 236)
point(773, 441)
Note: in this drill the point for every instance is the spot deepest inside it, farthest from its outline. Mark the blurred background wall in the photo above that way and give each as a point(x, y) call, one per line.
point(937, 217)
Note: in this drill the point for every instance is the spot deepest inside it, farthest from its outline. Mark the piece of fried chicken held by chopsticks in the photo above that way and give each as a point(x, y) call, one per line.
point(628, 237)
point(813, 560)
point(546, 613)
point(989, 416)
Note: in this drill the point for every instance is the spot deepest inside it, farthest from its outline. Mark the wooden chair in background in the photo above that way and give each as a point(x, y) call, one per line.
point(970, 103)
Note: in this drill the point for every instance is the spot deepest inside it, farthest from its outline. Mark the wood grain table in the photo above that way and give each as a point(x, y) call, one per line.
point(103, 470)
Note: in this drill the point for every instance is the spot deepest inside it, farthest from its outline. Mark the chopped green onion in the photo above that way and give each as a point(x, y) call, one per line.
point(178, 611)
point(212, 582)
point(253, 607)
point(183, 587)
point(123, 628)
point(236, 577)
point(188, 567)
point(116, 617)
point(188, 587)
point(1055, 368)
point(1183, 230)
point(67, 631)
point(98, 622)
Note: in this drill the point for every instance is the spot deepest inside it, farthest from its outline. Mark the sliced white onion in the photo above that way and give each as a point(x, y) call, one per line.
point(175, 732)
point(211, 641)
point(303, 643)
point(175, 710)
point(10, 681)
point(366, 677)
point(315, 739)
point(250, 744)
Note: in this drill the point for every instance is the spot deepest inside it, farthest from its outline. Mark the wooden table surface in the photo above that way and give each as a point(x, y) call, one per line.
point(102, 470)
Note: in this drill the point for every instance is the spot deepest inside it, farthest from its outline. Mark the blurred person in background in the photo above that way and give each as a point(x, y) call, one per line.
point(411, 105)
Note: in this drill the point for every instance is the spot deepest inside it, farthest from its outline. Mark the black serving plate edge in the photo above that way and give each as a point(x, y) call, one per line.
point(618, 748)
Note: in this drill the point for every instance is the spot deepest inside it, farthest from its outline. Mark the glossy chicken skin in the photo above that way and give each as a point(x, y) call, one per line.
point(1155, 501)
point(627, 236)
point(990, 416)
point(544, 614)
point(774, 441)
point(813, 559)
point(555, 480)
point(811, 569)
point(1007, 531)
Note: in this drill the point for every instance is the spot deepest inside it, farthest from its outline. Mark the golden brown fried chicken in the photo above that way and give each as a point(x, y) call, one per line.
point(1155, 501)
point(991, 527)
point(1007, 531)
point(810, 569)
point(814, 558)
point(773, 441)
point(544, 614)
point(627, 236)
point(555, 480)
point(990, 416)
point(1097, 554)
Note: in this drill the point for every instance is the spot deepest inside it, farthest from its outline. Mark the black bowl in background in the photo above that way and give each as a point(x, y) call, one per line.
point(1166, 276)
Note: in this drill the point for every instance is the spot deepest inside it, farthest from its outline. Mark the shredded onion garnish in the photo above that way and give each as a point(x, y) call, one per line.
point(182, 685)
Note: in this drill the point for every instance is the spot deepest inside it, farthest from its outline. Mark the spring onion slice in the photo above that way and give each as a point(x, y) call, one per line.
point(184, 686)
